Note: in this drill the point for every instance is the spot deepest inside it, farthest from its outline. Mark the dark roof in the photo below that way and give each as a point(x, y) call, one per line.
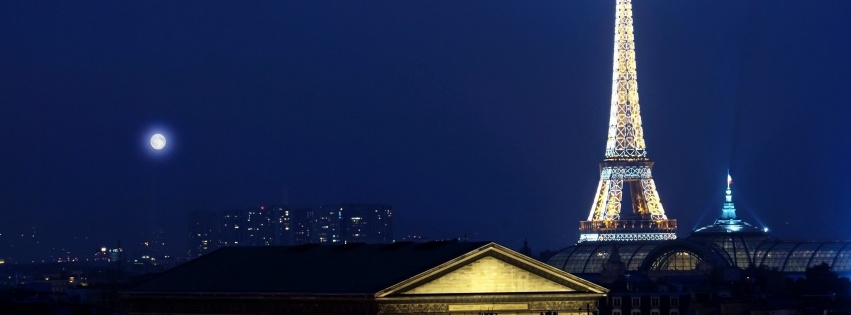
point(306, 269)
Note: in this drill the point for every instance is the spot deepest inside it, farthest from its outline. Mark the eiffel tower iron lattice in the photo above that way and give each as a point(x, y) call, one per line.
point(626, 165)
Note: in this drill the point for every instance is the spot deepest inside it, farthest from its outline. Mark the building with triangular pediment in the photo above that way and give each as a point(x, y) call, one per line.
point(445, 277)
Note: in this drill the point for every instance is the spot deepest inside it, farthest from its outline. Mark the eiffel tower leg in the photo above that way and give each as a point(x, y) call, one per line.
point(654, 205)
point(607, 201)
point(600, 201)
point(613, 209)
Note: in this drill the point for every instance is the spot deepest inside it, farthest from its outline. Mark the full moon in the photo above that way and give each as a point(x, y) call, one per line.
point(158, 142)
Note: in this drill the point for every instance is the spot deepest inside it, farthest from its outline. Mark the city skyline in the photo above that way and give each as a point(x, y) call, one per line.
point(484, 119)
point(206, 230)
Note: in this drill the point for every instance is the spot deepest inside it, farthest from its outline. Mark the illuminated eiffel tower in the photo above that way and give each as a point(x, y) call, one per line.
point(626, 168)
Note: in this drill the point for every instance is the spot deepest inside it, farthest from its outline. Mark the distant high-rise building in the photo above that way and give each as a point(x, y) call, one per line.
point(326, 225)
point(110, 254)
point(249, 227)
point(367, 223)
point(203, 228)
point(342, 223)
point(301, 226)
point(153, 243)
point(280, 225)
point(259, 229)
point(233, 222)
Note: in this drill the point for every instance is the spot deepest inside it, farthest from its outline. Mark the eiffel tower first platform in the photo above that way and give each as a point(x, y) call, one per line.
point(625, 171)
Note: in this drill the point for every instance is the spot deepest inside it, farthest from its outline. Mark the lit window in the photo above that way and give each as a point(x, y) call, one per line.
point(676, 261)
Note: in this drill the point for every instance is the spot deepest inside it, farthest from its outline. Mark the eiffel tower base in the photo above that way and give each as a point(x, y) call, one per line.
point(627, 230)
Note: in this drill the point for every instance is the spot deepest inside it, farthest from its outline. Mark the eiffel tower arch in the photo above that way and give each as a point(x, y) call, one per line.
point(626, 169)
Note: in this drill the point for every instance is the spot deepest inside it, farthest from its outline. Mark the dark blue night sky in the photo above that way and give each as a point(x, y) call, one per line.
point(484, 118)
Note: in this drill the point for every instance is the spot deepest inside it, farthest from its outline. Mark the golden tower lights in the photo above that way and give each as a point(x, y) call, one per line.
point(626, 164)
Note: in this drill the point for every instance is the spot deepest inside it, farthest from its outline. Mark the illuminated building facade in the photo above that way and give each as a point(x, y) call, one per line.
point(280, 225)
point(284, 223)
point(110, 254)
point(343, 223)
point(326, 225)
point(625, 173)
point(260, 227)
point(153, 245)
point(203, 231)
point(367, 223)
point(233, 222)
point(445, 277)
point(301, 227)
point(249, 227)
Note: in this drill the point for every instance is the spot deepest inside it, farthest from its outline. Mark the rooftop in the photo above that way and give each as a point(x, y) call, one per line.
point(310, 268)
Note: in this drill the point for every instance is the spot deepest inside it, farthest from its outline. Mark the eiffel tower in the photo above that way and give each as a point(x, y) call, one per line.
point(626, 167)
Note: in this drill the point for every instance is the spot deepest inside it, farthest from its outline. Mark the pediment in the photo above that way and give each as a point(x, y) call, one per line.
point(488, 275)
point(491, 269)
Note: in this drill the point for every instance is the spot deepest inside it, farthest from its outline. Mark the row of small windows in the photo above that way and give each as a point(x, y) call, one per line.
point(636, 301)
point(652, 312)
